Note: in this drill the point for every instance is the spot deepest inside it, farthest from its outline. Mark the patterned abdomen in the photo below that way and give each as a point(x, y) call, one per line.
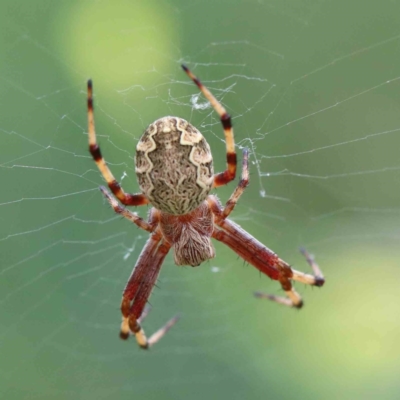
point(174, 165)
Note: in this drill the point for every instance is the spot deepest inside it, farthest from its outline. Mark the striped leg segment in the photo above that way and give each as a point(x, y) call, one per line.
point(129, 215)
point(94, 149)
point(288, 274)
point(317, 279)
point(223, 177)
point(292, 299)
point(240, 188)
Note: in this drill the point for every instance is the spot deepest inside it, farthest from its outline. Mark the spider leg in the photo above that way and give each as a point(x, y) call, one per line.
point(264, 259)
point(133, 217)
point(240, 188)
point(317, 279)
point(125, 198)
point(137, 293)
point(229, 174)
point(293, 299)
point(145, 313)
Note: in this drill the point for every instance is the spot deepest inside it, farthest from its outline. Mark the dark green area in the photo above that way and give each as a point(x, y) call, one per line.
point(314, 91)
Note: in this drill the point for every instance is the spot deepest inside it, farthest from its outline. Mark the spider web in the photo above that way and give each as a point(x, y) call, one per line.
point(314, 91)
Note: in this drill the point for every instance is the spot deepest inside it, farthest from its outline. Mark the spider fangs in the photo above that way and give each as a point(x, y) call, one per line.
point(175, 173)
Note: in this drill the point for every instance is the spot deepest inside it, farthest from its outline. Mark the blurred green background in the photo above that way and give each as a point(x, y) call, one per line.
point(314, 90)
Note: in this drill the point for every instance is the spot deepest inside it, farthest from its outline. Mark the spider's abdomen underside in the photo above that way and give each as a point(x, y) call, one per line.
point(174, 165)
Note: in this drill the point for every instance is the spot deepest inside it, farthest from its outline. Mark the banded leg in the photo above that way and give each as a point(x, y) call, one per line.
point(260, 257)
point(317, 279)
point(129, 215)
point(138, 290)
point(229, 174)
point(293, 299)
point(243, 183)
point(94, 149)
point(263, 258)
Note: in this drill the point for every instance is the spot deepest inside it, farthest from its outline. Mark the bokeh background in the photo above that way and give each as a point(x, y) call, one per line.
point(314, 90)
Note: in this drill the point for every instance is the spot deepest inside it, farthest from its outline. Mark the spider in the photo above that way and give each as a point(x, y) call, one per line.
point(174, 167)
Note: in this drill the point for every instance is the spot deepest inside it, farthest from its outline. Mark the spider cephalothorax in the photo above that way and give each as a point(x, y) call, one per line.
point(190, 235)
point(175, 174)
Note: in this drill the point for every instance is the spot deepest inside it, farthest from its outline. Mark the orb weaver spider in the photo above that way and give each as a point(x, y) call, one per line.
point(174, 167)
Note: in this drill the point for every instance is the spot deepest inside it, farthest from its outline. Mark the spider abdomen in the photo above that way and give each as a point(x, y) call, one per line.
point(174, 165)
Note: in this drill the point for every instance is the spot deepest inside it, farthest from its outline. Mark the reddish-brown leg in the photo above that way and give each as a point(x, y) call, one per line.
point(223, 177)
point(246, 246)
point(261, 257)
point(94, 149)
point(143, 277)
point(138, 290)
